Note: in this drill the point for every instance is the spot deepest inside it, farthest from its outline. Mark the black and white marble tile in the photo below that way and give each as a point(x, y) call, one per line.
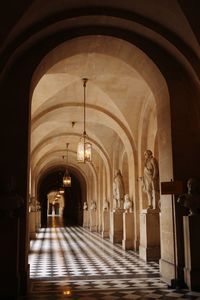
point(73, 263)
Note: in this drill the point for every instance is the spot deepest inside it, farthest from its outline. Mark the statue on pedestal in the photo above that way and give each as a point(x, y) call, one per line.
point(191, 200)
point(118, 190)
point(128, 204)
point(150, 180)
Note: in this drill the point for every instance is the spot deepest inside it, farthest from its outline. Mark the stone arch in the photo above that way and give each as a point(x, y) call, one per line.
point(158, 94)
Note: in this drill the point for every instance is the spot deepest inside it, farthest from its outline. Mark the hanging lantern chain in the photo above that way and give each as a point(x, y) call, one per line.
point(84, 104)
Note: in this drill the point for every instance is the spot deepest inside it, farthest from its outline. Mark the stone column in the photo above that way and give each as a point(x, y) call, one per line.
point(191, 227)
point(128, 231)
point(149, 248)
point(105, 224)
point(116, 226)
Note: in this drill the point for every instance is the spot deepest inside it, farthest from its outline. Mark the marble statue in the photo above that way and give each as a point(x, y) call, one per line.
point(106, 205)
point(93, 205)
point(128, 204)
point(191, 199)
point(118, 190)
point(150, 180)
point(85, 206)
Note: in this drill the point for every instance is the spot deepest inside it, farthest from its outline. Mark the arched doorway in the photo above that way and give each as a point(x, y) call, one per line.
point(69, 206)
point(73, 209)
point(24, 60)
point(118, 129)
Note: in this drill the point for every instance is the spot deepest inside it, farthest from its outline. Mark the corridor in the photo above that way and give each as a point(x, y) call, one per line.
point(73, 263)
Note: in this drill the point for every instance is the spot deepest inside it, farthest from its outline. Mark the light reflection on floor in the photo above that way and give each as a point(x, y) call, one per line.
point(73, 263)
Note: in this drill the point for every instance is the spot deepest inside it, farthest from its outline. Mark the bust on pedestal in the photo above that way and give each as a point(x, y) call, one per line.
point(191, 225)
point(128, 224)
point(128, 204)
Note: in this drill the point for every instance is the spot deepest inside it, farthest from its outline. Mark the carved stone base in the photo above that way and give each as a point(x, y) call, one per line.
point(191, 225)
point(149, 248)
point(167, 271)
point(32, 225)
point(105, 224)
point(38, 220)
point(93, 221)
point(85, 218)
point(116, 226)
point(128, 231)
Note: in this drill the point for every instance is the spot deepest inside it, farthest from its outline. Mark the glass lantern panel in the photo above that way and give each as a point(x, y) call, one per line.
point(88, 152)
point(67, 181)
point(80, 151)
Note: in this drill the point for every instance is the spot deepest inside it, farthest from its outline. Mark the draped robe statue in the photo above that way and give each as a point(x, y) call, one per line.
point(118, 190)
point(150, 180)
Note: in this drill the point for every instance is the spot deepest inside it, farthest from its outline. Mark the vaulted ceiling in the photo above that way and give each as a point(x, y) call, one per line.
point(122, 79)
point(116, 93)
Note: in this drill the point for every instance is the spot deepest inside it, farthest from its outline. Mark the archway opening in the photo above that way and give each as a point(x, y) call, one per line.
point(126, 95)
point(67, 207)
point(73, 208)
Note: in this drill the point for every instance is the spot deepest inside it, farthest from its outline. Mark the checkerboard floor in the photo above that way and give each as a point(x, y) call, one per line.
point(73, 263)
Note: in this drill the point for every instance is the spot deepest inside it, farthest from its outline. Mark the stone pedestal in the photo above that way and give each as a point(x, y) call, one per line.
point(149, 248)
point(38, 220)
point(116, 226)
point(191, 227)
point(128, 231)
point(85, 218)
point(32, 225)
point(93, 221)
point(105, 224)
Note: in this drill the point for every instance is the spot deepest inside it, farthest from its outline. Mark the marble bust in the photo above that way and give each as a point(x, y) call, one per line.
point(85, 206)
point(128, 204)
point(93, 206)
point(191, 200)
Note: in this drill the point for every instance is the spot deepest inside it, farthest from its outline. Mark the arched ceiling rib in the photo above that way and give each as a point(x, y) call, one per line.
point(166, 19)
point(49, 151)
point(115, 94)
